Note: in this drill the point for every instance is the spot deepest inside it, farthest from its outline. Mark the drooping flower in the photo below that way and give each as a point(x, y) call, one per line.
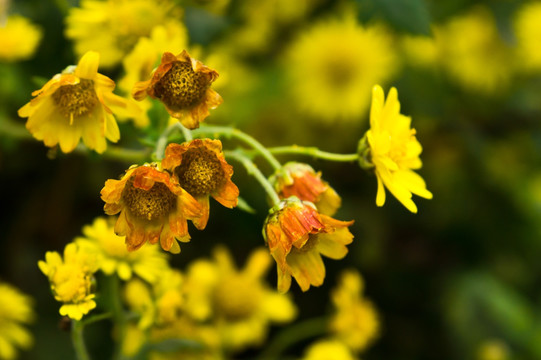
point(182, 84)
point(355, 321)
point(201, 169)
point(76, 104)
point(332, 67)
point(113, 27)
point(300, 180)
point(392, 150)
point(19, 38)
point(152, 206)
point(148, 262)
point(297, 236)
point(238, 302)
point(328, 349)
point(15, 312)
point(71, 279)
point(528, 31)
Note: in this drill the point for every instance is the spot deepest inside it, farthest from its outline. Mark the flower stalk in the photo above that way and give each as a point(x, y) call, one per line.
point(78, 340)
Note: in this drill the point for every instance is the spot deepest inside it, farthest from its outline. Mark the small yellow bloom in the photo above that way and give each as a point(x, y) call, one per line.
point(182, 84)
point(19, 38)
point(15, 311)
point(113, 27)
point(333, 65)
point(355, 321)
point(328, 350)
point(238, 302)
point(152, 206)
point(71, 279)
point(390, 147)
point(99, 238)
point(297, 236)
point(528, 32)
point(77, 103)
point(300, 180)
point(493, 349)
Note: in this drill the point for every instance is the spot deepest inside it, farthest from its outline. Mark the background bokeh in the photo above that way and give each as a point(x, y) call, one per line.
point(460, 276)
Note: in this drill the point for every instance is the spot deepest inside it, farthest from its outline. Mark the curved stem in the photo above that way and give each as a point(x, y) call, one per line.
point(95, 318)
point(247, 139)
point(252, 169)
point(122, 154)
point(163, 140)
point(78, 340)
point(293, 334)
point(313, 151)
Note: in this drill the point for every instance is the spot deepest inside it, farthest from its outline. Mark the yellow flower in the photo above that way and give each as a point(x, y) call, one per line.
point(182, 84)
point(75, 104)
point(493, 349)
point(390, 147)
point(145, 56)
point(300, 180)
point(15, 311)
point(19, 38)
point(328, 350)
point(113, 27)
point(355, 321)
point(528, 32)
point(473, 52)
point(99, 238)
point(421, 51)
point(297, 236)
point(238, 302)
point(201, 169)
point(71, 279)
point(333, 65)
point(152, 206)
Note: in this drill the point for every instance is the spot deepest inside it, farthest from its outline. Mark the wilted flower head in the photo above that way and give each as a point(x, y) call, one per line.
point(300, 180)
point(201, 170)
point(152, 206)
point(19, 38)
point(392, 150)
point(182, 84)
point(71, 279)
point(297, 236)
point(77, 103)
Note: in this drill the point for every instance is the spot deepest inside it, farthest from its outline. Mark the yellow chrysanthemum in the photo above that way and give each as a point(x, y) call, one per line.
point(328, 350)
point(238, 302)
point(75, 104)
point(391, 148)
point(71, 279)
point(148, 263)
point(19, 38)
point(528, 32)
point(15, 311)
point(355, 321)
point(146, 55)
point(333, 66)
point(473, 52)
point(113, 27)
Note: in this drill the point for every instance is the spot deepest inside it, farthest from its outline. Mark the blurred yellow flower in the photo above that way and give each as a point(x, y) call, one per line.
point(15, 311)
point(493, 349)
point(473, 52)
point(149, 263)
point(421, 51)
point(297, 235)
point(145, 56)
point(391, 148)
point(71, 279)
point(355, 321)
point(238, 302)
point(527, 29)
point(328, 349)
point(19, 38)
point(75, 104)
point(113, 27)
point(333, 65)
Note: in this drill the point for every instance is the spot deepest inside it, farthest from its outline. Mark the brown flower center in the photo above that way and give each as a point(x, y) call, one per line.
point(181, 87)
point(152, 204)
point(78, 99)
point(200, 172)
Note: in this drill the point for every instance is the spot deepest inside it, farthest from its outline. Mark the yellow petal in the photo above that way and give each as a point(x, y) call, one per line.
point(87, 68)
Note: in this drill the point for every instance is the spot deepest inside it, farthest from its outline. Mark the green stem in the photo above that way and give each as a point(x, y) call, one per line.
point(252, 169)
point(95, 318)
point(78, 340)
point(126, 155)
point(242, 136)
point(163, 140)
point(119, 316)
point(313, 151)
point(293, 334)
